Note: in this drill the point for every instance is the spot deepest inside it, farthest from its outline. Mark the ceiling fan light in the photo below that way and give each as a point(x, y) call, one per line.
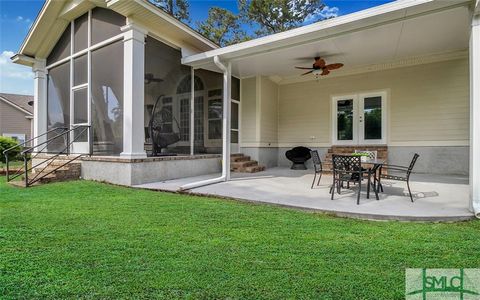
point(317, 72)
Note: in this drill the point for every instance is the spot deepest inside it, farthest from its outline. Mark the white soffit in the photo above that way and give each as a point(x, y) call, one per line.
point(428, 28)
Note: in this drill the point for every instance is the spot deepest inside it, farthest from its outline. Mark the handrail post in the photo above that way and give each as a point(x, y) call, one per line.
point(68, 142)
point(7, 162)
point(90, 140)
point(25, 165)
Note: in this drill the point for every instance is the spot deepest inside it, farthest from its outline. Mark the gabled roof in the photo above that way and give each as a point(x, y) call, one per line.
point(20, 102)
point(55, 15)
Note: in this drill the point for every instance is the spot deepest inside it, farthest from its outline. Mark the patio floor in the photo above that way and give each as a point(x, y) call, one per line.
point(437, 198)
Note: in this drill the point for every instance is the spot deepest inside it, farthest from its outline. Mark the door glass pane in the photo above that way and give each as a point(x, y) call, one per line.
point(234, 124)
point(235, 88)
point(234, 137)
point(373, 118)
point(80, 33)
point(80, 106)
point(345, 120)
point(185, 119)
point(80, 70)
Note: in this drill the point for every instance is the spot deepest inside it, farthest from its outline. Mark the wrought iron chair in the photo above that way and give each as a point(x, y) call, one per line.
point(298, 156)
point(347, 169)
point(317, 166)
point(394, 169)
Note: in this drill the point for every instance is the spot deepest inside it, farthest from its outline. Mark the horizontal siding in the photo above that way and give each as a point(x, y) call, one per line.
point(13, 120)
point(269, 109)
point(426, 103)
point(248, 105)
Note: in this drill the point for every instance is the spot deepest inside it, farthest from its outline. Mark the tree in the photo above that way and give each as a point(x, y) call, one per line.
point(222, 27)
point(176, 8)
point(274, 16)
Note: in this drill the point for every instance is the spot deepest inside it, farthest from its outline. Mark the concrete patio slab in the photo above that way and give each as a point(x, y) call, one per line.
point(437, 198)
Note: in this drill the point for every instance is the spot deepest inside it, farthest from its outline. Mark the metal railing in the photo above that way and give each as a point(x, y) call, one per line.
point(29, 153)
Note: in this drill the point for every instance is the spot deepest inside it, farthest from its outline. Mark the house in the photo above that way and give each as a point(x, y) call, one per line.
point(410, 83)
point(16, 115)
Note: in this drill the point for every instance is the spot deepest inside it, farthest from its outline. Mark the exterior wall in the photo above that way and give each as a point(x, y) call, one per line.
point(427, 104)
point(13, 120)
point(427, 113)
point(269, 111)
point(249, 110)
point(138, 171)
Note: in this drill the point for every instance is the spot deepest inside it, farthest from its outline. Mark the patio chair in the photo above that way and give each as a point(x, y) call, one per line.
point(298, 156)
point(317, 166)
point(403, 176)
point(347, 169)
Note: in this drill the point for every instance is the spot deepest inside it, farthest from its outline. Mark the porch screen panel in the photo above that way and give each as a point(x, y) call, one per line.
point(345, 120)
point(80, 33)
point(167, 100)
point(105, 24)
point(373, 118)
point(62, 47)
point(58, 103)
point(107, 99)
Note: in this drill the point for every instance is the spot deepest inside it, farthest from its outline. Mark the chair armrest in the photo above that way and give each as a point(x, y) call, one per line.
point(401, 168)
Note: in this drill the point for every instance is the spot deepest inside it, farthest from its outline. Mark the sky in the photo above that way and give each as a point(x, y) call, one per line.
point(17, 16)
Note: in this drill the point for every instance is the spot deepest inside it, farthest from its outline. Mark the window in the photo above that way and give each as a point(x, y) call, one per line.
point(80, 36)
point(19, 137)
point(215, 111)
point(105, 24)
point(62, 48)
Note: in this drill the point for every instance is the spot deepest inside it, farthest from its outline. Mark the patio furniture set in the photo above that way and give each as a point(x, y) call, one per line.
point(360, 166)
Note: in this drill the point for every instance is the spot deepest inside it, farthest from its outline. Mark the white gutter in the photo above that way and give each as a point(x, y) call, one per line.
point(227, 71)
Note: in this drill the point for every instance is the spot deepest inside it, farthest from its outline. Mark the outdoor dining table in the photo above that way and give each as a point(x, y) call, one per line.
point(372, 166)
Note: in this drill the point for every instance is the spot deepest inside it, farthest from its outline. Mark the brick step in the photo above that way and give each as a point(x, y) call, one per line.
point(243, 164)
point(239, 158)
point(254, 169)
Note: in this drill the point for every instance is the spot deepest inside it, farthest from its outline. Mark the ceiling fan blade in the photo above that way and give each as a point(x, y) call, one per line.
point(325, 72)
point(319, 62)
point(333, 66)
point(304, 68)
point(307, 72)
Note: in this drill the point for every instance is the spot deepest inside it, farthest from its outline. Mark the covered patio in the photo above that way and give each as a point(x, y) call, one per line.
point(437, 198)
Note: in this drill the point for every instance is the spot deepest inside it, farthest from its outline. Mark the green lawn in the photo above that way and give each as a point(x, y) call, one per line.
point(90, 240)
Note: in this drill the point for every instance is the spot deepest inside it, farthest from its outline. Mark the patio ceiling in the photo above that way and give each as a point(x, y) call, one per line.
point(363, 41)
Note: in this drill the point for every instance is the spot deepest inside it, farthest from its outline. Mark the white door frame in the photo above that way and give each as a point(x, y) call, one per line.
point(358, 136)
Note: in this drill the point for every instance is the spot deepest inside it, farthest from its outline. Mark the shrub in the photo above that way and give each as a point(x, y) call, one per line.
point(5, 143)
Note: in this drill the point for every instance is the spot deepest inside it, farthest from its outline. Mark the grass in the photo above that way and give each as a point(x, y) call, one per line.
point(90, 240)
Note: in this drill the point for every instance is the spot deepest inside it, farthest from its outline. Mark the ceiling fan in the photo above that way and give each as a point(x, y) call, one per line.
point(149, 77)
point(319, 67)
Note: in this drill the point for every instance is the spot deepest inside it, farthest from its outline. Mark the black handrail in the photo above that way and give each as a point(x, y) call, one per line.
point(66, 150)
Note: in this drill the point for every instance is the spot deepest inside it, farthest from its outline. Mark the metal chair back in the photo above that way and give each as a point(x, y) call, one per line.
point(346, 164)
point(317, 162)
point(412, 164)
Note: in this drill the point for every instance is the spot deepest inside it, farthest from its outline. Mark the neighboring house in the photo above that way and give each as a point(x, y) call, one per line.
point(16, 116)
point(410, 83)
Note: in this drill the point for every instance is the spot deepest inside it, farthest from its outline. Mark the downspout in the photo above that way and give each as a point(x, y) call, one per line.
point(225, 130)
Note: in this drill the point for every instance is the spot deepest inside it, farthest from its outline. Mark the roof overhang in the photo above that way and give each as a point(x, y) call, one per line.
point(386, 34)
point(56, 15)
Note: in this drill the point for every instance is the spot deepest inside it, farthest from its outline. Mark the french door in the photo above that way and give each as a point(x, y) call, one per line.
point(359, 119)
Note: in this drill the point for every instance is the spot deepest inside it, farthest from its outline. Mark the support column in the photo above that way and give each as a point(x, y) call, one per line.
point(39, 101)
point(227, 104)
point(133, 91)
point(474, 115)
point(192, 111)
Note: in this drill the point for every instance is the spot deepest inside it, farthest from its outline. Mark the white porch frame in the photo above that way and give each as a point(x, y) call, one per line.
point(475, 112)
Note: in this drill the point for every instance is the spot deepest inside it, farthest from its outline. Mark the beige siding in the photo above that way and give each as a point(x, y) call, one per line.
point(13, 120)
point(269, 111)
point(248, 107)
point(426, 103)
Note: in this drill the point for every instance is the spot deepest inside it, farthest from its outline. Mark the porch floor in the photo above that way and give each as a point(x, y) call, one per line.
point(437, 198)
